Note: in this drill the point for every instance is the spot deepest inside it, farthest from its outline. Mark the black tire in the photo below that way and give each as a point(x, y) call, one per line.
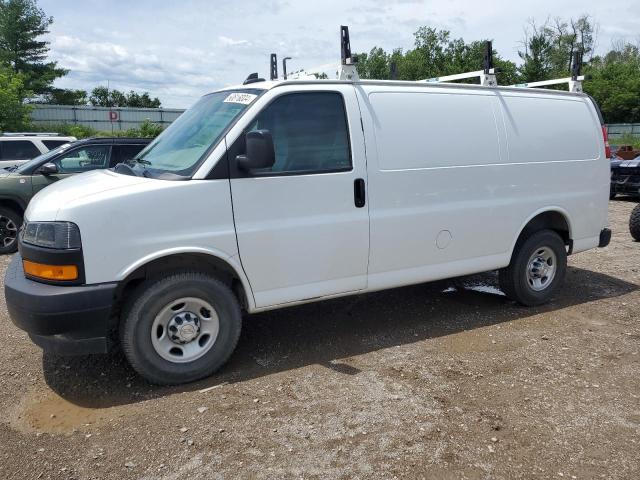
point(634, 223)
point(514, 280)
point(8, 220)
point(149, 299)
point(612, 194)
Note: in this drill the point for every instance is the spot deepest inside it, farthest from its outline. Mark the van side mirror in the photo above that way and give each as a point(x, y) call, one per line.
point(260, 151)
point(48, 169)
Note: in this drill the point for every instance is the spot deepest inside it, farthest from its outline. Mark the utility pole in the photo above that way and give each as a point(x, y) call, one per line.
point(109, 105)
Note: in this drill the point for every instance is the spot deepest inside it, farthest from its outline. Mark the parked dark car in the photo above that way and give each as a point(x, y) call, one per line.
point(625, 177)
point(19, 183)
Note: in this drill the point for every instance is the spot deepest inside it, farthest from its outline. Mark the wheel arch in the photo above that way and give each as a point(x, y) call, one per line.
point(225, 268)
point(14, 203)
point(552, 218)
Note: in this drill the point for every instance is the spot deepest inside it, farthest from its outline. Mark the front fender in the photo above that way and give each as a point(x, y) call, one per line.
point(232, 261)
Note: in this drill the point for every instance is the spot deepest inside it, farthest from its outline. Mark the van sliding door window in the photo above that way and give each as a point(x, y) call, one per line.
point(309, 133)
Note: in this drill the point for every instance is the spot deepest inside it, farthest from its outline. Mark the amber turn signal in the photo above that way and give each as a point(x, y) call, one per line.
point(50, 272)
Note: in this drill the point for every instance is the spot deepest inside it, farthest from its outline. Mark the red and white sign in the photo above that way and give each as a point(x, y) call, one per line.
point(113, 116)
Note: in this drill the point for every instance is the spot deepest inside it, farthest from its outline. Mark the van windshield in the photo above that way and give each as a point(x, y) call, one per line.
point(180, 148)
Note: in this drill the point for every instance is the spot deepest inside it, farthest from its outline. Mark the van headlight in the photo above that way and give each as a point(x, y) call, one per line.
point(58, 235)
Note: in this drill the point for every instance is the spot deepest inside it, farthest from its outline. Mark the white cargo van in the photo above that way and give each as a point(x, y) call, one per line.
point(273, 194)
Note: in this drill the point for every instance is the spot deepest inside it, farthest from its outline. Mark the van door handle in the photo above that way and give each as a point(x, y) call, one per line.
point(359, 195)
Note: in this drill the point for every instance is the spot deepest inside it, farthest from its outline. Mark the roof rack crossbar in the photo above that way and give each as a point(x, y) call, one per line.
point(487, 75)
point(461, 76)
point(574, 81)
point(555, 81)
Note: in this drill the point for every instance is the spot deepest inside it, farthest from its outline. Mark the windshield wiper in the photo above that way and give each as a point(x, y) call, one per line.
point(133, 161)
point(134, 166)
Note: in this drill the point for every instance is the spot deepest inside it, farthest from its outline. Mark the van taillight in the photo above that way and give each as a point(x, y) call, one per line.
point(605, 136)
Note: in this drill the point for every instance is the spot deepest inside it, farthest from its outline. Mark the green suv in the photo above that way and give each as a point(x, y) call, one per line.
point(19, 183)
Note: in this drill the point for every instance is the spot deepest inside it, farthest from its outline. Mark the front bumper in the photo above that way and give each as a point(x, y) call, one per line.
point(62, 319)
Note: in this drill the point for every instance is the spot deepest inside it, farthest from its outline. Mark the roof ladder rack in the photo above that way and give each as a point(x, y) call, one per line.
point(574, 81)
point(274, 67)
point(284, 67)
point(348, 69)
point(487, 75)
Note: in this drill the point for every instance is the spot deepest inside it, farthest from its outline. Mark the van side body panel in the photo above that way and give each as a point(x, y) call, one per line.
point(563, 132)
point(455, 175)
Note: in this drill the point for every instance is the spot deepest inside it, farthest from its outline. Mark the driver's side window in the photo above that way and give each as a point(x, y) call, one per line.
point(309, 132)
point(83, 159)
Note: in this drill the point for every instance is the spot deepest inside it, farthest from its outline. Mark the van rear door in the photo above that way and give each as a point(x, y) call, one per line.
point(303, 224)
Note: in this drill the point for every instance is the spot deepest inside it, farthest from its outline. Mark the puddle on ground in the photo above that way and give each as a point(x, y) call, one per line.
point(477, 287)
point(50, 413)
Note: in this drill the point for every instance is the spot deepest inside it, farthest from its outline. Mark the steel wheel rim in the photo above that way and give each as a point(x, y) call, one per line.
point(541, 268)
point(8, 231)
point(185, 329)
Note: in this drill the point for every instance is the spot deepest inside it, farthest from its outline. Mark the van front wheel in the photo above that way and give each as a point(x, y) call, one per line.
point(538, 267)
point(180, 328)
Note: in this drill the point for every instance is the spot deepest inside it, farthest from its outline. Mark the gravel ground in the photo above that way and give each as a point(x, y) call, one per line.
point(442, 380)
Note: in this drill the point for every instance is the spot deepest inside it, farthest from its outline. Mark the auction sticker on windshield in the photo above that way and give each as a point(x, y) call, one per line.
point(243, 98)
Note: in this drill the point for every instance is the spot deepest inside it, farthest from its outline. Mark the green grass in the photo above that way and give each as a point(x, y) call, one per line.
point(626, 139)
point(147, 129)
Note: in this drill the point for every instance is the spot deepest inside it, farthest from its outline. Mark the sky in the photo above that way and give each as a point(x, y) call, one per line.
point(180, 50)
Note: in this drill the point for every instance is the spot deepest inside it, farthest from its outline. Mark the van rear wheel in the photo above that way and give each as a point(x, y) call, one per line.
point(538, 267)
point(180, 328)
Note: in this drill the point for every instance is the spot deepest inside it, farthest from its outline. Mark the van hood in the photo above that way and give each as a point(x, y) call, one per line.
point(46, 204)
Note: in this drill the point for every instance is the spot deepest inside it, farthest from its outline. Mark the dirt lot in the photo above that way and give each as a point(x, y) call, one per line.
point(445, 380)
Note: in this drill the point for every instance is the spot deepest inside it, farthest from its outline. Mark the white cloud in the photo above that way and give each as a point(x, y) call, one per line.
point(180, 50)
point(231, 42)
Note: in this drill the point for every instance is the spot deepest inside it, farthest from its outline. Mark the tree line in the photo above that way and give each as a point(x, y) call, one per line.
point(546, 52)
point(27, 75)
point(101, 97)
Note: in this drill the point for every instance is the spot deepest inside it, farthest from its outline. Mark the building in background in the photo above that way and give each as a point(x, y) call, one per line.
point(107, 119)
